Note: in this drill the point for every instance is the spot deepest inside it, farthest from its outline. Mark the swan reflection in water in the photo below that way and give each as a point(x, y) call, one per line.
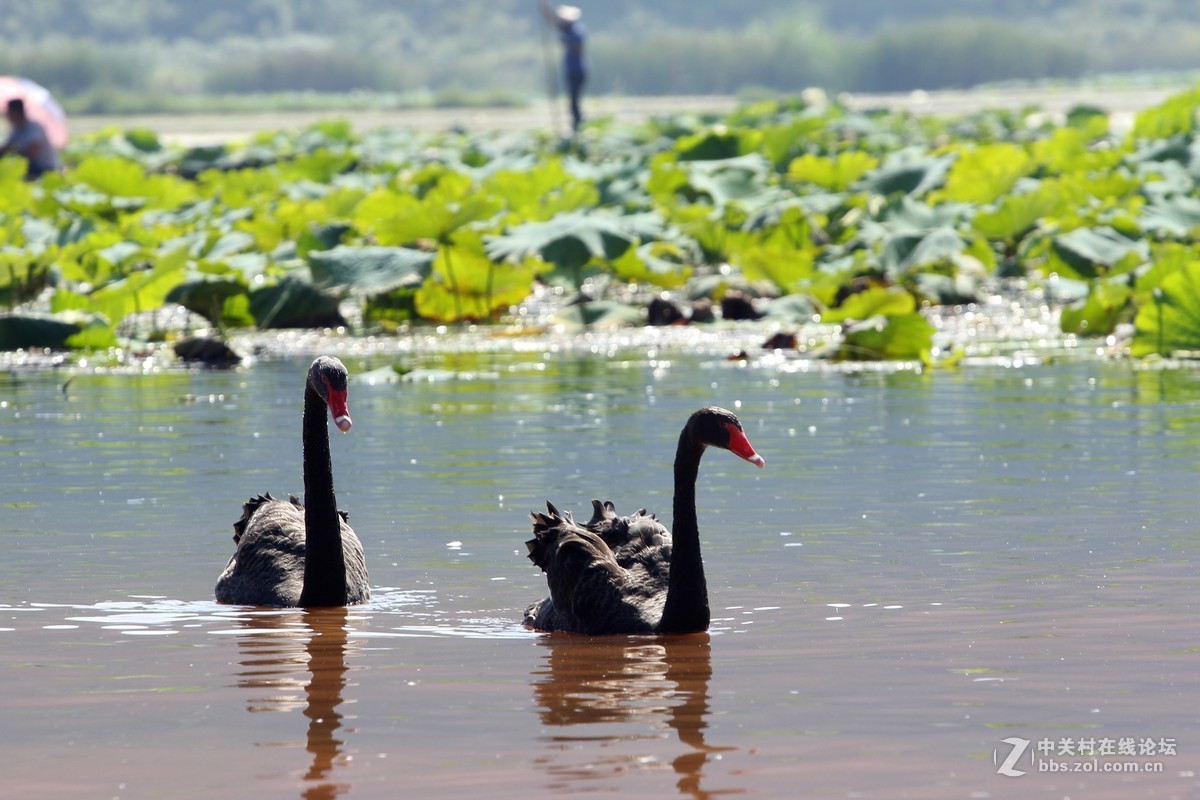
point(639, 689)
point(301, 664)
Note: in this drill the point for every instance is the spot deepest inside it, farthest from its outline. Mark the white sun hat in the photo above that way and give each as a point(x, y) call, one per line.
point(568, 13)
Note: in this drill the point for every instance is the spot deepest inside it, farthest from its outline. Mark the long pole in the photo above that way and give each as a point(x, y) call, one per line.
point(551, 72)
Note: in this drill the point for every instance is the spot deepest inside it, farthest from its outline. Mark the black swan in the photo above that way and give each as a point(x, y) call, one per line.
point(294, 554)
point(630, 574)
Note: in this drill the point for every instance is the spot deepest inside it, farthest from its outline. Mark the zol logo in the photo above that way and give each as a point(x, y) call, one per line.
point(1008, 766)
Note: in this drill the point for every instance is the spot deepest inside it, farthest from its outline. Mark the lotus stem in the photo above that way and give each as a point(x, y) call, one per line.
point(453, 283)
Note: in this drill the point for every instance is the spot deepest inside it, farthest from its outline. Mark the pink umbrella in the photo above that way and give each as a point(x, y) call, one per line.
point(40, 106)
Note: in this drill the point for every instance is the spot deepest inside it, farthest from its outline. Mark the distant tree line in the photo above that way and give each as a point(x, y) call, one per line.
point(132, 55)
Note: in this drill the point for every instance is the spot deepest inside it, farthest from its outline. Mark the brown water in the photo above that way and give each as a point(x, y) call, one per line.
point(929, 564)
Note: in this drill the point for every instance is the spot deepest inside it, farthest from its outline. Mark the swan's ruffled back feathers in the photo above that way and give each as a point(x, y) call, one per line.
point(610, 576)
point(248, 510)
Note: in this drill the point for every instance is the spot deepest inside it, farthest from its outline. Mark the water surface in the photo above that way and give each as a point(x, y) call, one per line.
point(928, 565)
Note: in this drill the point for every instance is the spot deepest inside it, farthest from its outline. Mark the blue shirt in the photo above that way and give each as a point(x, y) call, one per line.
point(573, 34)
point(29, 141)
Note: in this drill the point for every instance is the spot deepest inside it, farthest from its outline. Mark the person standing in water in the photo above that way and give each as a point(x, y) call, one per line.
point(572, 34)
point(28, 140)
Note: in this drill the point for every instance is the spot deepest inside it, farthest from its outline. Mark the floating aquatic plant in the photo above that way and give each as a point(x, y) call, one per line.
point(861, 219)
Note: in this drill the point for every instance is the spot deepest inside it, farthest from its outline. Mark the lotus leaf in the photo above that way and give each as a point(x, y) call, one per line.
point(293, 303)
point(906, 252)
point(140, 290)
point(897, 337)
point(1176, 149)
point(142, 139)
point(74, 230)
point(906, 219)
point(1175, 115)
point(27, 331)
point(661, 264)
point(1170, 321)
point(400, 219)
point(1099, 314)
point(466, 285)
point(322, 237)
point(37, 235)
point(15, 194)
point(1071, 149)
point(539, 193)
point(1088, 117)
point(1174, 216)
point(782, 143)
point(793, 222)
point(85, 201)
point(570, 240)
point(717, 144)
point(792, 309)
point(946, 290)
point(1164, 181)
point(600, 314)
point(95, 335)
point(320, 166)
point(907, 172)
point(874, 302)
point(1089, 252)
point(786, 268)
point(211, 299)
point(1166, 259)
point(369, 270)
point(717, 237)
point(128, 180)
point(983, 174)
point(23, 275)
point(1018, 214)
point(666, 182)
point(836, 174)
point(198, 160)
point(715, 286)
point(742, 180)
point(119, 255)
point(228, 244)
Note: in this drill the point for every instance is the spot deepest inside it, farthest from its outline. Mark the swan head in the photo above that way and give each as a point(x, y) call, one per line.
point(720, 428)
point(329, 379)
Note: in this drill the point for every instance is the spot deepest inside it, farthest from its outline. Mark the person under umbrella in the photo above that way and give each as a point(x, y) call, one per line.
point(28, 139)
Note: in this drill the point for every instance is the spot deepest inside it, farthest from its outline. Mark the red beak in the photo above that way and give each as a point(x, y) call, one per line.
point(740, 446)
point(339, 410)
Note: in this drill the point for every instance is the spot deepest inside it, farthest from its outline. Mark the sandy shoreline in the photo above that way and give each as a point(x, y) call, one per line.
point(205, 129)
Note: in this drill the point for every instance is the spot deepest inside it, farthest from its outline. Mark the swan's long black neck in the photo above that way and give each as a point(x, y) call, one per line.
point(686, 607)
point(324, 562)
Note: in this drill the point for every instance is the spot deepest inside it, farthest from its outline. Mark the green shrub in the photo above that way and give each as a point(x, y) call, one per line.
point(960, 53)
point(296, 69)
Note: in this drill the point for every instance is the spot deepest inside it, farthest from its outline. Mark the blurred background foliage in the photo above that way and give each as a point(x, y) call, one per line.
point(132, 56)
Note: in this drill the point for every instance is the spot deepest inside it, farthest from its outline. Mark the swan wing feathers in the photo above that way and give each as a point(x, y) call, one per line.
point(640, 528)
point(548, 528)
point(248, 510)
point(268, 567)
point(638, 541)
point(254, 503)
point(590, 591)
